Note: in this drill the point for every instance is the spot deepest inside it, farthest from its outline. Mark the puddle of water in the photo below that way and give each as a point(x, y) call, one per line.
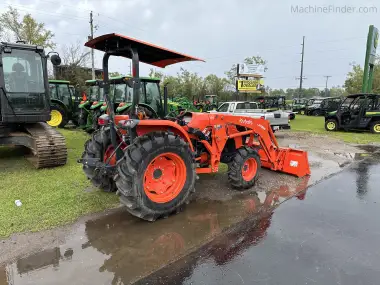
point(119, 248)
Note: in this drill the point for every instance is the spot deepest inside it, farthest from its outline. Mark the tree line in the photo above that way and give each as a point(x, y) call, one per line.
point(185, 83)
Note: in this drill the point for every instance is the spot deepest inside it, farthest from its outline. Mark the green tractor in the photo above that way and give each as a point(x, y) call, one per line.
point(356, 112)
point(93, 94)
point(209, 103)
point(63, 103)
point(274, 103)
point(123, 106)
point(299, 105)
point(185, 103)
point(147, 92)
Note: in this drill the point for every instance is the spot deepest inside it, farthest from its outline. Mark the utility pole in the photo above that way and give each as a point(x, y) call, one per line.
point(327, 80)
point(92, 50)
point(301, 76)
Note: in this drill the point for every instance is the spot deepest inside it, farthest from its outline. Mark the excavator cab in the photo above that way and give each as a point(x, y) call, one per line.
point(25, 103)
point(24, 95)
point(154, 162)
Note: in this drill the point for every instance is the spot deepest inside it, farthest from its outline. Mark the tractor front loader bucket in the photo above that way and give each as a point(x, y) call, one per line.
point(288, 160)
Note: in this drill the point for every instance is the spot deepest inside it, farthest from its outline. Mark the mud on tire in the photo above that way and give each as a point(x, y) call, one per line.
point(237, 176)
point(95, 148)
point(130, 179)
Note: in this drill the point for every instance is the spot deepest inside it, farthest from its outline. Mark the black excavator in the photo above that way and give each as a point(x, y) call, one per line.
point(25, 104)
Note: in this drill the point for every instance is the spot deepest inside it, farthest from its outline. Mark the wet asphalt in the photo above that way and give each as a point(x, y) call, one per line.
point(290, 234)
point(328, 235)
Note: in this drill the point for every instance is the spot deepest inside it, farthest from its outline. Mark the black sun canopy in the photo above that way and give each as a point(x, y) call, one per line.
point(148, 53)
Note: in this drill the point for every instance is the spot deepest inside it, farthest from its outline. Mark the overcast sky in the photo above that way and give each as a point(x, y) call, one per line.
point(225, 32)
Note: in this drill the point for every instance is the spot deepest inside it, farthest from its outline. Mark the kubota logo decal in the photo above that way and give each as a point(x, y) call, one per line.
point(246, 122)
point(293, 163)
point(261, 126)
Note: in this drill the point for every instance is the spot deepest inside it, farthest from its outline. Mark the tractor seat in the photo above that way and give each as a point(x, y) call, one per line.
point(18, 79)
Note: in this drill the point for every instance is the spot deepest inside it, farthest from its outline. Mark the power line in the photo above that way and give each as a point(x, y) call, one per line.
point(23, 8)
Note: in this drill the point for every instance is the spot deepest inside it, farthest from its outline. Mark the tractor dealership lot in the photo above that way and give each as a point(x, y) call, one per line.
point(57, 196)
point(100, 242)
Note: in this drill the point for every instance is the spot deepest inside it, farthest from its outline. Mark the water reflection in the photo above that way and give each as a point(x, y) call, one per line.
point(236, 239)
point(136, 248)
point(123, 249)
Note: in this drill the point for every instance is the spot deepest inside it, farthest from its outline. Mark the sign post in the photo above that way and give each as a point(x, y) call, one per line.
point(249, 78)
point(370, 56)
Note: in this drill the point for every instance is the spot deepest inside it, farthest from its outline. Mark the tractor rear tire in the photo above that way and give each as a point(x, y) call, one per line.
point(58, 116)
point(375, 127)
point(244, 169)
point(157, 175)
point(96, 147)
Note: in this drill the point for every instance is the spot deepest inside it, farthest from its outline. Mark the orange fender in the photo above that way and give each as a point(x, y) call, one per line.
point(148, 126)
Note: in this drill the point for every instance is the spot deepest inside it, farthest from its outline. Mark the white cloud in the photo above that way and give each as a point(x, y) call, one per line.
point(147, 14)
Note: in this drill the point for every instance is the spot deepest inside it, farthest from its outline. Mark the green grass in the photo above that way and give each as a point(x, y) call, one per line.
point(317, 125)
point(50, 197)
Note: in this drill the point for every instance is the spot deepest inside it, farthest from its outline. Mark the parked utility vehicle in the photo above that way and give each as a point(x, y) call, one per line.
point(277, 119)
point(358, 111)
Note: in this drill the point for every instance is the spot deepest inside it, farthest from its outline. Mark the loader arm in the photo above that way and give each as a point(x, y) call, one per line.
point(260, 136)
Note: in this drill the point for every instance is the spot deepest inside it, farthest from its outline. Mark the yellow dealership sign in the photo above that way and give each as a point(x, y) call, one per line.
point(250, 85)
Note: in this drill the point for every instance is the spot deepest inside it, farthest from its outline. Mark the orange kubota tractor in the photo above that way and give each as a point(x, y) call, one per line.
point(153, 160)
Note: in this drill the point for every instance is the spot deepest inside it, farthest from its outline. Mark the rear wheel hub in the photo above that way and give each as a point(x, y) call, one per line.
point(164, 177)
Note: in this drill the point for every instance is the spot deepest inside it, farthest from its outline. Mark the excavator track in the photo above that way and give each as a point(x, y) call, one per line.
point(49, 147)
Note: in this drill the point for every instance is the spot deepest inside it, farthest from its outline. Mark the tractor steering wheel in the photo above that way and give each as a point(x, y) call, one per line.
point(144, 109)
point(179, 118)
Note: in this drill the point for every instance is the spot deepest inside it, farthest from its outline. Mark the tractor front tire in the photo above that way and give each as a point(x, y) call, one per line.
point(331, 125)
point(157, 175)
point(244, 168)
point(58, 116)
point(96, 147)
point(375, 127)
